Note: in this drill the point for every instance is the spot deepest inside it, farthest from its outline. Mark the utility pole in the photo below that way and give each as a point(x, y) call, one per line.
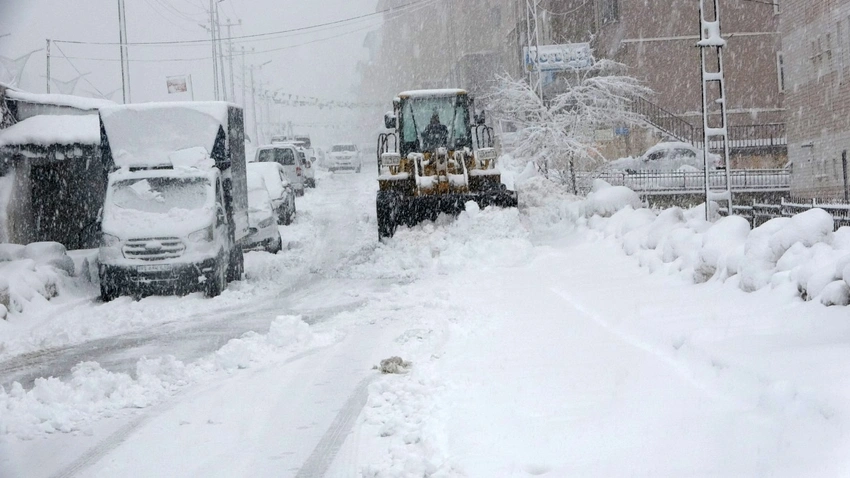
point(214, 54)
point(230, 58)
point(48, 65)
point(254, 107)
point(531, 12)
point(713, 85)
point(125, 59)
point(220, 53)
point(244, 80)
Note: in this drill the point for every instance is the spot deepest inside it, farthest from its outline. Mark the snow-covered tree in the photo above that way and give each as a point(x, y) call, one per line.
point(558, 133)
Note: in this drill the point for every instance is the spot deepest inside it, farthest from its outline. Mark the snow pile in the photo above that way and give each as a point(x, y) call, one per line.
point(54, 405)
point(605, 200)
point(45, 130)
point(800, 253)
point(491, 237)
point(32, 275)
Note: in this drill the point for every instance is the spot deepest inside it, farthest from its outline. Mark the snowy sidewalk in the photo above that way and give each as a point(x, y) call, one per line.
point(582, 364)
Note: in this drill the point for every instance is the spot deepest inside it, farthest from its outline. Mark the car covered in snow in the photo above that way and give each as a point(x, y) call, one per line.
point(287, 156)
point(345, 156)
point(667, 156)
point(280, 190)
point(262, 218)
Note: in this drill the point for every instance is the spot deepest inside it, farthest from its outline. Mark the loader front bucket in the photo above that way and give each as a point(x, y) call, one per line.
point(428, 208)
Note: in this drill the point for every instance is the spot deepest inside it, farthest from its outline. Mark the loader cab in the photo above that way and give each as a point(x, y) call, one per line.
point(414, 114)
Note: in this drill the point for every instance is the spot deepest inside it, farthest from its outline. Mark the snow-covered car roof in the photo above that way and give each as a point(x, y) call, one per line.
point(268, 169)
point(44, 130)
point(439, 93)
point(670, 145)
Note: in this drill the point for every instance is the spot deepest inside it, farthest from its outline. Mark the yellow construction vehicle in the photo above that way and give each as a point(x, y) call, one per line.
point(440, 155)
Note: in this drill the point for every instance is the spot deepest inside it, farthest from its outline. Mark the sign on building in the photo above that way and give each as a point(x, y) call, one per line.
point(571, 56)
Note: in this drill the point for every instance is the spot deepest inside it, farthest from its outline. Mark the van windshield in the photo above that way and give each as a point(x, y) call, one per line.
point(276, 155)
point(161, 195)
point(343, 147)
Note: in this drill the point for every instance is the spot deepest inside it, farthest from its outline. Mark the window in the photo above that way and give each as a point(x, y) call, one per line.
point(609, 11)
point(780, 71)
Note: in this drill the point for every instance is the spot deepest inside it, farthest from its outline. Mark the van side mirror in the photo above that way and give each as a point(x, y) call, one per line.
point(480, 118)
point(220, 217)
point(390, 121)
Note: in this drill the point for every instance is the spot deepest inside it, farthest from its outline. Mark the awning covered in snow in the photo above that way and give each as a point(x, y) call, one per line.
point(47, 130)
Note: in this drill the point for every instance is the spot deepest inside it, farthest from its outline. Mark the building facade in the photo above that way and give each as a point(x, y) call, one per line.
point(816, 58)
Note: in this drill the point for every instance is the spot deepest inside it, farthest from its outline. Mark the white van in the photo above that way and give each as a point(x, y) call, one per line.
point(287, 156)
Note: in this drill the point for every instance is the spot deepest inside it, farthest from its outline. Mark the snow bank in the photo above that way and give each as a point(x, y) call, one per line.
point(802, 252)
point(55, 405)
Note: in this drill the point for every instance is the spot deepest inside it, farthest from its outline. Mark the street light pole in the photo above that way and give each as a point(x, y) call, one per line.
point(220, 52)
point(230, 59)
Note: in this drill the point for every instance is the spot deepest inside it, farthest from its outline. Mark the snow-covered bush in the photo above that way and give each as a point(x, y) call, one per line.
point(558, 134)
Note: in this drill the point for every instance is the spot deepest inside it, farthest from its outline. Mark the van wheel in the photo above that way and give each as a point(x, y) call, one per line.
point(217, 282)
point(108, 292)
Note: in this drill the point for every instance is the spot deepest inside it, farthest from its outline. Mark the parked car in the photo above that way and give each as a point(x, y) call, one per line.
point(667, 156)
point(345, 156)
point(262, 219)
point(287, 156)
point(280, 190)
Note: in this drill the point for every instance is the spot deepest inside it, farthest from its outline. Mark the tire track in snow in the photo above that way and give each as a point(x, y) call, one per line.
point(323, 455)
point(114, 440)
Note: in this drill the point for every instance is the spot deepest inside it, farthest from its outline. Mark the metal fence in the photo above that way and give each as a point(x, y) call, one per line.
point(759, 213)
point(688, 182)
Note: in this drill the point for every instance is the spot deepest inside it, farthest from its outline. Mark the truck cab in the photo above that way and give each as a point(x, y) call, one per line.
point(165, 230)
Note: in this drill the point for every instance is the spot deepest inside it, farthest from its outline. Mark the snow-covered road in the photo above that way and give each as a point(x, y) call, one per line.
point(535, 351)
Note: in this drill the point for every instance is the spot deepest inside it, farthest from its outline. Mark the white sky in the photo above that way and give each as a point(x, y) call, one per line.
point(325, 69)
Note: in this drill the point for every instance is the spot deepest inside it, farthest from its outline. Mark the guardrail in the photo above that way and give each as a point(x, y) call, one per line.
point(688, 182)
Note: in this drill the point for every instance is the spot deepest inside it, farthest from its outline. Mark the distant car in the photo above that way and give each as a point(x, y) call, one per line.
point(667, 156)
point(287, 156)
point(345, 156)
point(280, 190)
point(262, 220)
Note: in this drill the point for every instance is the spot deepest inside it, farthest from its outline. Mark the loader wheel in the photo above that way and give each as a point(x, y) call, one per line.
point(386, 208)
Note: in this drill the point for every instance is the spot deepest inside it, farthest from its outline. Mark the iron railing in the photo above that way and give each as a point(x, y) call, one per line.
point(760, 213)
point(744, 137)
point(686, 182)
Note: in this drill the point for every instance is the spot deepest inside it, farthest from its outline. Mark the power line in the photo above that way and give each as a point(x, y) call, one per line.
point(77, 70)
point(763, 2)
point(257, 52)
point(261, 35)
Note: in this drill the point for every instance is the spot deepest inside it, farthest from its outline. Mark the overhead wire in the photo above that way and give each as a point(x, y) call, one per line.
point(261, 35)
point(78, 71)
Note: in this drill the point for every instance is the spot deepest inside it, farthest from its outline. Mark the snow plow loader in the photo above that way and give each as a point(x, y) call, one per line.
point(439, 156)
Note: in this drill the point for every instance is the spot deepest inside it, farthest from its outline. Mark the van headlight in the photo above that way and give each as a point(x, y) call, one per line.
point(204, 235)
point(108, 240)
